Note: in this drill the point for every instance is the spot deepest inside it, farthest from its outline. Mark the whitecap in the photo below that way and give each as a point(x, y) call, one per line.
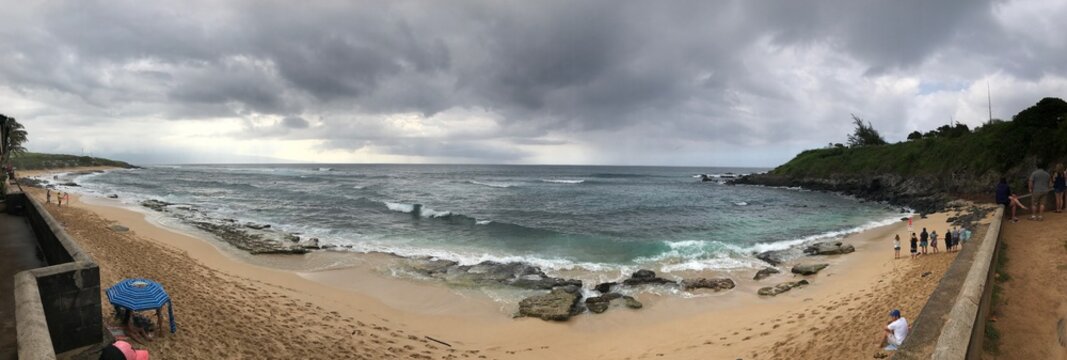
point(492, 184)
point(563, 181)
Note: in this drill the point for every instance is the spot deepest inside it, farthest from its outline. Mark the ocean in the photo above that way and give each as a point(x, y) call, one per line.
point(587, 218)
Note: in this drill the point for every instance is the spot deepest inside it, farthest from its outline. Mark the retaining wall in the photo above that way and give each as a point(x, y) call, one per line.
point(61, 300)
point(952, 324)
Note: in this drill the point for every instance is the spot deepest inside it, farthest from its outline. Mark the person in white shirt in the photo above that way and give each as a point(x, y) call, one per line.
point(896, 331)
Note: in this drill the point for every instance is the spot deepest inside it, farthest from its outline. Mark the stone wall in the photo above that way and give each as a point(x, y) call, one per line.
point(67, 300)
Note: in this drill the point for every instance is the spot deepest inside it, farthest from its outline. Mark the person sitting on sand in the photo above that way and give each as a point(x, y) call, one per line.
point(896, 247)
point(933, 241)
point(924, 239)
point(914, 246)
point(1039, 184)
point(896, 331)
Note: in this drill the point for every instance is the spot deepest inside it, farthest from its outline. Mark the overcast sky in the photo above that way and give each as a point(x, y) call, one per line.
point(518, 82)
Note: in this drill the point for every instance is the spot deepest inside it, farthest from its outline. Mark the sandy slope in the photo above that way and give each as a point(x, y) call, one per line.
point(227, 306)
point(1034, 306)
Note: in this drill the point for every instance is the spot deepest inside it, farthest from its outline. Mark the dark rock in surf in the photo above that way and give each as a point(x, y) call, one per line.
point(600, 304)
point(257, 226)
point(713, 284)
point(765, 273)
point(773, 257)
point(605, 288)
point(156, 205)
point(113, 196)
point(644, 276)
point(632, 303)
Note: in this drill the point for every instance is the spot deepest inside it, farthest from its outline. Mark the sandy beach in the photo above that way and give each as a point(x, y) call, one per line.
point(231, 304)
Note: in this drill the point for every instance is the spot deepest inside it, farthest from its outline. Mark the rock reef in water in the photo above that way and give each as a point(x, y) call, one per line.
point(558, 305)
point(829, 248)
point(262, 240)
point(644, 276)
point(516, 274)
point(713, 284)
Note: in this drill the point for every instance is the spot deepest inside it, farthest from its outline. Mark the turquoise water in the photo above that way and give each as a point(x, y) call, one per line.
point(557, 217)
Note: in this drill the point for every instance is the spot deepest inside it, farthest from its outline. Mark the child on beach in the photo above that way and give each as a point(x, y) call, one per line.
point(914, 246)
point(933, 241)
point(896, 247)
point(924, 239)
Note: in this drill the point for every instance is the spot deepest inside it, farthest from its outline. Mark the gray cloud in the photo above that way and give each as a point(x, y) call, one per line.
point(678, 77)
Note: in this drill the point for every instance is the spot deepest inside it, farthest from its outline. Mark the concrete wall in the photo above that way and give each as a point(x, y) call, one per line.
point(952, 324)
point(68, 293)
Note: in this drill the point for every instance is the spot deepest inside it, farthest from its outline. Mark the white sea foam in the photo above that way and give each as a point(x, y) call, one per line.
point(782, 245)
point(492, 184)
point(410, 208)
point(483, 222)
point(741, 203)
point(563, 181)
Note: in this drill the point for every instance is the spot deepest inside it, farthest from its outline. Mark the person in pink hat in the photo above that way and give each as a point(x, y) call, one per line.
point(121, 350)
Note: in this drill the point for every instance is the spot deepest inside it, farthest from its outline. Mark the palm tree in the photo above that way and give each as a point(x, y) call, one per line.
point(12, 138)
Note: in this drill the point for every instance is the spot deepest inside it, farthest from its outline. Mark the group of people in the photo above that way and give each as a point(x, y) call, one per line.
point(926, 242)
point(1040, 184)
point(61, 197)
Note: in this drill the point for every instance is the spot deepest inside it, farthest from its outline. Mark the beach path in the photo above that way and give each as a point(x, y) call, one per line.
point(1031, 316)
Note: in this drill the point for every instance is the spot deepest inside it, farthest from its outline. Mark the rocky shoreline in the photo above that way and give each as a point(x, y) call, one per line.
point(924, 195)
point(253, 238)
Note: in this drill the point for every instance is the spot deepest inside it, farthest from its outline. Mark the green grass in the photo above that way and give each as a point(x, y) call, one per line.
point(999, 148)
point(37, 161)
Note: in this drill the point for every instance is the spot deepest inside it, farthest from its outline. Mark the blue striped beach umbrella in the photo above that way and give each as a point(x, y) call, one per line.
point(139, 295)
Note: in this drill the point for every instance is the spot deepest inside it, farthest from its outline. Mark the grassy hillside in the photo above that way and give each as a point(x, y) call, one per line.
point(1001, 148)
point(35, 161)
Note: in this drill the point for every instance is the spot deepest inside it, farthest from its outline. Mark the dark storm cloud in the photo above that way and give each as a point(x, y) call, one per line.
point(679, 70)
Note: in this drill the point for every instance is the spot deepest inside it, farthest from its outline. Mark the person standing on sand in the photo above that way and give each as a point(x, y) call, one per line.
point(48, 196)
point(896, 331)
point(59, 198)
point(914, 246)
point(66, 198)
point(949, 240)
point(924, 238)
point(1059, 185)
point(896, 247)
point(933, 241)
point(1039, 183)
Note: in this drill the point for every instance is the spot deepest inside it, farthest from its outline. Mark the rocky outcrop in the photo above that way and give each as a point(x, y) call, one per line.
point(781, 288)
point(558, 305)
point(514, 274)
point(113, 196)
point(255, 241)
point(925, 194)
point(644, 276)
point(632, 303)
point(829, 248)
point(713, 284)
point(765, 272)
point(773, 257)
point(808, 269)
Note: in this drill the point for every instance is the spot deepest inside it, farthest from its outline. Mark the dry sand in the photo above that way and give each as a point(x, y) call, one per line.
point(1032, 316)
point(226, 305)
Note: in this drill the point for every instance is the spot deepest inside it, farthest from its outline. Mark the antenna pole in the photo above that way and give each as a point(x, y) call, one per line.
point(989, 100)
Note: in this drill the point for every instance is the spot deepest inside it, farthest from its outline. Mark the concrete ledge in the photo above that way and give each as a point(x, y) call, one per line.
point(962, 323)
point(34, 341)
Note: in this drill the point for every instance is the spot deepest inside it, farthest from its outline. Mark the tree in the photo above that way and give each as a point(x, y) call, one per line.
point(915, 135)
point(865, 134)
point(12, 138)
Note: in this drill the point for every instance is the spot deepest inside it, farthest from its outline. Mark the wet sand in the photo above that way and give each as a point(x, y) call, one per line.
point(227, 303)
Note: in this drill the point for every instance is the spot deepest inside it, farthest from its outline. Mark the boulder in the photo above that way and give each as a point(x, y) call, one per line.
point(157, 205)
point(808, 269)
point(113, 196)
point(765, 272)
point(118, 228)
point(781, 288)
point(632, 303)
point(599, 304)
point(773, 257)
point(829, 248)
point(605, 288)
point(644, 276)
point(557, 305)
point(714, 284)
point(311, 244)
